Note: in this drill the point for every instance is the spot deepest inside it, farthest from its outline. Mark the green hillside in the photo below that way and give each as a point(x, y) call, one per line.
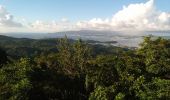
point(63, 69)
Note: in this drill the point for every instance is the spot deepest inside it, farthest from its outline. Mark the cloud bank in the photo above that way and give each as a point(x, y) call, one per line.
point(6, 19)
point(133, 17)
point(7, 22)
point(142, 17)
point(53, 26)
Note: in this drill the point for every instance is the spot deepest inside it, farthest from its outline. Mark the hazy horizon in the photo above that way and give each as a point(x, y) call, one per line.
point(124, 21)
point(131, 16)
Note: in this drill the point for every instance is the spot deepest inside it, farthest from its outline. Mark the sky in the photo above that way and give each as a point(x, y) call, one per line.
point(65, 15)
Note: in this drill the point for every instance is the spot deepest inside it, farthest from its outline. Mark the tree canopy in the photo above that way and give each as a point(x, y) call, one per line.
point(78, 71)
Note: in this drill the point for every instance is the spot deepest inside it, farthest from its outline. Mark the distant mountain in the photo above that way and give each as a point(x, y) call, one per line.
point(130, 39)
point(71, 34)
point(24, 47)
point(3, 37)
point(109, 37)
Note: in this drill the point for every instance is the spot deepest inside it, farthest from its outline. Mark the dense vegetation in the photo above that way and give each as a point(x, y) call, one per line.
point(74, 70)
point(23, 47)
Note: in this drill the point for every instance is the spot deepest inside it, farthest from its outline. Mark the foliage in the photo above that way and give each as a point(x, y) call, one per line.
point(156, 54)
point(3, 57)
point(73, 58)
point(103, 93)
point(75, 70)
point(14, 80)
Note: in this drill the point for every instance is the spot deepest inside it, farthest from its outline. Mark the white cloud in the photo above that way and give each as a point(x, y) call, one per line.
point(95, 23)
point(6, 19)
point(53, 26)
point(142, 16)
point(134, 17)
point(65, 20)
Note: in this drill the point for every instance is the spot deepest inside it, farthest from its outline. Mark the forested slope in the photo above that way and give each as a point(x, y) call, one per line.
point(78, 71)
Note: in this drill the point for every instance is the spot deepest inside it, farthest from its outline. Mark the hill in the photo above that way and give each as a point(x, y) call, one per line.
point(25, 47)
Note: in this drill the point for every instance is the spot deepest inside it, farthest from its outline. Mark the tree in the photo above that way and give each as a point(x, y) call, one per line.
point(103, 93)
point(15, 80)
point(102, 71)
point(153, 84)
point(3, 57)
point(141, 75)
point(155, 89)
point(156, 56)
point(74, 57)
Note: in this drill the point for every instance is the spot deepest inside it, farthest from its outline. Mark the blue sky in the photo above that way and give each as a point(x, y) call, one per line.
point(71, 9)
point(64, 15)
